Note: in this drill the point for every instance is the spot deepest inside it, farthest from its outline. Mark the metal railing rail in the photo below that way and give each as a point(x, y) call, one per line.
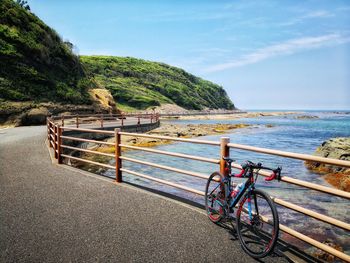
point(186, 156)
point(55, 139)
point(103, 119)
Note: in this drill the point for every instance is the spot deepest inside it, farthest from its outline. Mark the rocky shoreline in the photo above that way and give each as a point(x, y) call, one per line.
point(234, 116)
point(175, 130)
point(166, 129)
point(336, 148)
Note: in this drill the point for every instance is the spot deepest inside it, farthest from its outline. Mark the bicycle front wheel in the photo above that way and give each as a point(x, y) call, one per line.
point(215, 197)
point(257, 223)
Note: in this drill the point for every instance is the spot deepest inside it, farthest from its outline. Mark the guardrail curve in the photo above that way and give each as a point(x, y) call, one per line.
point(56, 141)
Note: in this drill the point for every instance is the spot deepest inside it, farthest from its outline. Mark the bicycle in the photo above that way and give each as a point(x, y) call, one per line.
point(257, 223)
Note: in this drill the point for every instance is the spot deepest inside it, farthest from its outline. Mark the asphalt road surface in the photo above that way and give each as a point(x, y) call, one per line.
point(49, 213)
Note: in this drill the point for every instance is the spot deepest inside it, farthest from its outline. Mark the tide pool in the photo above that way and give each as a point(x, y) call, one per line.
point(288, 134)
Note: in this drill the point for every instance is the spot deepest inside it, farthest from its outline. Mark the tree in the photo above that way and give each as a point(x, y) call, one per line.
point(68, 45)
point(23, 4)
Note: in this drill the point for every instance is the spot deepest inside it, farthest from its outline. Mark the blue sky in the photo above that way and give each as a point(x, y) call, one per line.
point(266, 54)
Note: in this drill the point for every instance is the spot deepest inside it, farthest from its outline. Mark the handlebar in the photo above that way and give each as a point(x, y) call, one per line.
point(276, 174)
point(250, 166)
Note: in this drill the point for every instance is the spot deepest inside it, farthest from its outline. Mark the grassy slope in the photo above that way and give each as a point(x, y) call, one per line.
point(140, 84)
point(35, 64)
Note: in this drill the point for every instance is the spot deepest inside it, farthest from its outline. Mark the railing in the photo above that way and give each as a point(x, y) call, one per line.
point(56, 140)
point(105, 120)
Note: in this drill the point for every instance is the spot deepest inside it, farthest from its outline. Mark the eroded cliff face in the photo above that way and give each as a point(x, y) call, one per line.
point(336, 148)
point(103, 100)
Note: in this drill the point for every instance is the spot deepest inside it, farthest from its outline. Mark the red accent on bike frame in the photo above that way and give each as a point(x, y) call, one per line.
point(239, 210)
point(271, 177)
point(240, 174)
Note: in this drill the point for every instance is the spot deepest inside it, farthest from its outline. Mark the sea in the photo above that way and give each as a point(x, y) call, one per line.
point(286, 133)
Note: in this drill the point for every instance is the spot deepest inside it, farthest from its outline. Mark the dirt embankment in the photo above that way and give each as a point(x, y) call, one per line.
point(13, 114)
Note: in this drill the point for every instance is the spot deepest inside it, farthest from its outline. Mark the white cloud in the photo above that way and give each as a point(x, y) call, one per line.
point(318, 14)
point(285, 48)
point(310, 15)
point(189, 15)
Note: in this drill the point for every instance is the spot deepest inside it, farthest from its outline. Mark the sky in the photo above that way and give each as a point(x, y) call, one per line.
point(266, 54)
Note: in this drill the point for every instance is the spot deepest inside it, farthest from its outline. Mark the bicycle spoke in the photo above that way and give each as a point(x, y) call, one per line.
point(215, 198)
point(214, 189)
point(257, 236)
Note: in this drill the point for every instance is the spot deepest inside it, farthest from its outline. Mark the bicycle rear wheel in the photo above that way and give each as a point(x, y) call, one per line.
point(257, 223)
point(215, 197)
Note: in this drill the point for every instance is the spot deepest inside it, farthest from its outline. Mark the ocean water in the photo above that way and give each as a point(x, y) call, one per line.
point(287, 133)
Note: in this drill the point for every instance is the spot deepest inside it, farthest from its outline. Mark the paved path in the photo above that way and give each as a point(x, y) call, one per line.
point(49, 213)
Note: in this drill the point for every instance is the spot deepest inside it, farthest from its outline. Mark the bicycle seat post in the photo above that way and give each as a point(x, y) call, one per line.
point(228, 165)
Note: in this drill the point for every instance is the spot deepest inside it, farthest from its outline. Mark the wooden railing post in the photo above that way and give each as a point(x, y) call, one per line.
point(48, 130)
point(59, 143)
point(224, 152)
point(51, 127)
point(55, 141)
point(77, 121)
point(118, 161)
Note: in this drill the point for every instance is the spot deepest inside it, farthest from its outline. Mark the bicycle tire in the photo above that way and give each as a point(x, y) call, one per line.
point(211, 198)
point(262, 241)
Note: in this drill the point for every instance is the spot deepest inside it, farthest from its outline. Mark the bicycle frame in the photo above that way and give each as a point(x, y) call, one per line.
point(221, 200)
point(249, 185)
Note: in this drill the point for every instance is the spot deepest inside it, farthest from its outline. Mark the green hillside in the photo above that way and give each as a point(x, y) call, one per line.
point(35, 64)
point(139, 83)
point(37, 69)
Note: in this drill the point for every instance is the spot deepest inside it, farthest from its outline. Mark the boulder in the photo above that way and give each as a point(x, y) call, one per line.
point(35, 116)
point(306, 117)
point(103, 100)
point(336, 148)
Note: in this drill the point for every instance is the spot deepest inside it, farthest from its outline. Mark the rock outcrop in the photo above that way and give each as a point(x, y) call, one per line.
point(336, 148)
point(306, 117)
point(103, 100)
point(29, 113)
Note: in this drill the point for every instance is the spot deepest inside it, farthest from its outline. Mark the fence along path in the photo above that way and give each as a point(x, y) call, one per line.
point(104, 120)
point(56, 141)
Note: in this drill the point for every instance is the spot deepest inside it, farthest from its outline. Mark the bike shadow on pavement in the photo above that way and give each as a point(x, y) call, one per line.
point(276, 256)
point(283, 252)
